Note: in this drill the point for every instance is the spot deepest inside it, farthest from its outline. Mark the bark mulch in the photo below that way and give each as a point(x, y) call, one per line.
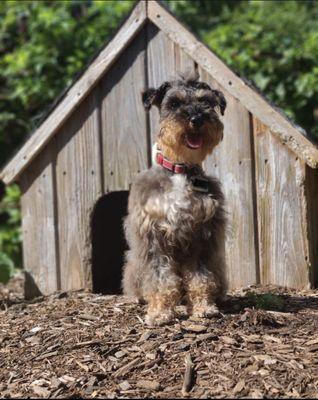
point(79, 344)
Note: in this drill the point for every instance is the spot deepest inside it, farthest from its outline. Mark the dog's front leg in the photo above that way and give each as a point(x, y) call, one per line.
point(162, 293)
point(160, 284)
point(201, 292)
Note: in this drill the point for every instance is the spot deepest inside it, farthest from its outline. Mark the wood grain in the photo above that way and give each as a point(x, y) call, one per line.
point(232, 163)
point(282, 212)
point(124, 128)
point(39, 228)
point(236, 86)
point(75, 95)
point(165, 61)
point(312, 218)
point(78, 182)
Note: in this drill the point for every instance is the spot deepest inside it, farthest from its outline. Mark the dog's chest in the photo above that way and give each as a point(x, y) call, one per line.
point(180, 194)
point(182, 202)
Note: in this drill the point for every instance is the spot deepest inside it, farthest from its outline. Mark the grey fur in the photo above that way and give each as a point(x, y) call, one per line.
point(167, 246)
point(175, 233)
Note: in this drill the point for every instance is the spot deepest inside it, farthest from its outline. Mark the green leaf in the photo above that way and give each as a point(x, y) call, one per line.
point(6, 268)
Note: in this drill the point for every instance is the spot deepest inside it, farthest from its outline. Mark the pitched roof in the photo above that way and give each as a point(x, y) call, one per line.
point(291, 135)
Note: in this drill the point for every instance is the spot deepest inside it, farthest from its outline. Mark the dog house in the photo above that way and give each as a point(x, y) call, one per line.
point(75, 169)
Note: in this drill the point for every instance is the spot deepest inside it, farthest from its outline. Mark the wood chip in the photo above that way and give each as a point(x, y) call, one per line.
point(206, 336)
point(120, 354)
point(311, 342)
point(145, 336)
point(189, 378)
point(113, 355)
point(42, 392)
point(227, 340)
point(150, 385)
point(88, 317)
point(239, 386)
point(127, 367)
point(87, 343)
point(125, 385)
point(47, 355)
point(194, 328)
point(66, 379)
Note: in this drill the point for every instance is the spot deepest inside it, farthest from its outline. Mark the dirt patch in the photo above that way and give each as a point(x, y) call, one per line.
point(80, 344)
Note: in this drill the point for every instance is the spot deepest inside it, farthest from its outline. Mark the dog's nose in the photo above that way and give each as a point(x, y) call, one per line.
point(196, 120)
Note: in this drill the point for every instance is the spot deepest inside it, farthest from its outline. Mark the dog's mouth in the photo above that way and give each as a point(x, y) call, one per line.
point(194, 140)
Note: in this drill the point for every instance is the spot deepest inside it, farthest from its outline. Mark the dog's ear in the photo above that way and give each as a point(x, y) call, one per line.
point(148, 97)
point(154, 97)
point(220, 100)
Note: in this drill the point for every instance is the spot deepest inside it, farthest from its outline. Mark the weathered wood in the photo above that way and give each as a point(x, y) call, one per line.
point(249, 98)
point(78, 184)
point(312, 218)
point(232, 163)
point(40, 257)
point(165, 61)
point(282, 212)
point(255, 103)
point(75, 95)
point(124, 130)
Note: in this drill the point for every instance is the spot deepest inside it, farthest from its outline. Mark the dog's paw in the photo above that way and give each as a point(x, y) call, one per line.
point(206, 311)
point(139, 300)
point(159, 318)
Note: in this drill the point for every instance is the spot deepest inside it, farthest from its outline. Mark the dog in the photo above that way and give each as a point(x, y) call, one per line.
point(175, 226)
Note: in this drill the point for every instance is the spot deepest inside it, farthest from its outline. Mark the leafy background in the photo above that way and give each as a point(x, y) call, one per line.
point(44, 45)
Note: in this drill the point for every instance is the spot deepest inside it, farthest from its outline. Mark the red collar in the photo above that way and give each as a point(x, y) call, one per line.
point(176, 168)
point(165, 163)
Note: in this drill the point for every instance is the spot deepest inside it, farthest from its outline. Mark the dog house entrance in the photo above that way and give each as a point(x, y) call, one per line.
point(108, 242)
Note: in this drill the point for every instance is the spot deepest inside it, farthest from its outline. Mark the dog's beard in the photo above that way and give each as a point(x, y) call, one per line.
point(179, 143)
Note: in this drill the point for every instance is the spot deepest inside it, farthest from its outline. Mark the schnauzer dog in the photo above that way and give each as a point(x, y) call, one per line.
point(175, 225)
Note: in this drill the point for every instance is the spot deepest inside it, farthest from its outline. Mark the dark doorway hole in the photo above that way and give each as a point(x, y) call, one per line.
point(108, 242)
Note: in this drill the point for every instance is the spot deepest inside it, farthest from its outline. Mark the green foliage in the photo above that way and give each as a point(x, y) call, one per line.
point(273, 43)
point(266, 301)
point(44, 44)
point(202, 15)
point(10, 233)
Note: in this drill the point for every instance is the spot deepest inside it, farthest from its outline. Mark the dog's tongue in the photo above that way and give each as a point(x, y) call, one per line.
point(194, 140)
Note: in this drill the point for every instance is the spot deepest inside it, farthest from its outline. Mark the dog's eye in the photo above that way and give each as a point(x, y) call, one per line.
point(206, 101)
point(174, 104)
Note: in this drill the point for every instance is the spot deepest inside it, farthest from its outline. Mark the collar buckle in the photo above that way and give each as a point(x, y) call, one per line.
point(200, 184)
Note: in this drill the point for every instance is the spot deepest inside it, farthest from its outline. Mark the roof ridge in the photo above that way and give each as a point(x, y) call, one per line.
point(239, 87)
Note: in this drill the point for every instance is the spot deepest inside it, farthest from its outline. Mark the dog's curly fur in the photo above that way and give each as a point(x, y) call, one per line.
point(176, 234)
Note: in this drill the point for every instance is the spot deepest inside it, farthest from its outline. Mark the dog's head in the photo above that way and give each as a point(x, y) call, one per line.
point(189, 118)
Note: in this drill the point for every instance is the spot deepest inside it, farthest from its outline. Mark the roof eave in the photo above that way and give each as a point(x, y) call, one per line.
point(255, 103)
point(76, 94)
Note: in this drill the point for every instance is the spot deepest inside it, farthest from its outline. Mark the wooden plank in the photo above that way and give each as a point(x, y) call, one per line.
point(232, 163)
point(312, 218)
point(161, 68)
point(123, 118)
point(79, 183)
point(39, 226)
point(250, 99)
point(183, 63)
point(282, 212)
point(165, 61)
point(75, 95)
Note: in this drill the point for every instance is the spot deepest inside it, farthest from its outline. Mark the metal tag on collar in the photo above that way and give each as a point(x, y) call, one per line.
point(200, 184)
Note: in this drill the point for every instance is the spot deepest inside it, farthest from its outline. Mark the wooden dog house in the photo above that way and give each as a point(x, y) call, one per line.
point(76, 168)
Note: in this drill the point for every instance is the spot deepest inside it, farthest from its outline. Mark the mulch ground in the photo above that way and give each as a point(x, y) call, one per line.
point(79, 344)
